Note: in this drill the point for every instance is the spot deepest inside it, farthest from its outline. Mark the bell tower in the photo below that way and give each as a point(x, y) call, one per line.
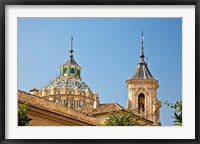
point(142, 96)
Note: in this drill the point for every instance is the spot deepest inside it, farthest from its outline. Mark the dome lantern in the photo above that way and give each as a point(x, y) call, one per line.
point(70, 68)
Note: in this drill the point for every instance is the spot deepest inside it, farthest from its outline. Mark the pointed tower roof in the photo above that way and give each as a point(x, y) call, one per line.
point(142, 71)
point(71, 60)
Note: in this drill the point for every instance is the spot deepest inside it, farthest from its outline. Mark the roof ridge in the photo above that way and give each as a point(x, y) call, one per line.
point(118, 105)
point(45, 99)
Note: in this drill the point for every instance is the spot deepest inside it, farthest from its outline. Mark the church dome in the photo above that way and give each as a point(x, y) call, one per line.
point(70, 83)
point(68, 89)
point(70, 75)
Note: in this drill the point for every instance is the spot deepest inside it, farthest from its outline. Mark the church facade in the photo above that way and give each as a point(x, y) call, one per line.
point(70, 92)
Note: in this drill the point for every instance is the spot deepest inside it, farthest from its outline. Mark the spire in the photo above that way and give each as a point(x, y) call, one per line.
point(142, 50)
point(142, 71)
point(71, 50)
point(71, 60)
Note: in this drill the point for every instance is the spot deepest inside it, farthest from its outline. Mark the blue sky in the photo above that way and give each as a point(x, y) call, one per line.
point(108, 51)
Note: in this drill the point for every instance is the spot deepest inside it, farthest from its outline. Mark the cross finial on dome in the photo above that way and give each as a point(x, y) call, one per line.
point(71, 60)
point(71, 50)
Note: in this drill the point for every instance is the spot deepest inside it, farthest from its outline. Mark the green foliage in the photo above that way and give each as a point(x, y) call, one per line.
point(23, 119)
point(177, 111)
point(121, 118)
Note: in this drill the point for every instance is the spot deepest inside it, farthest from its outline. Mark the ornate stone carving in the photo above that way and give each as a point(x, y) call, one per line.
point(156, 106)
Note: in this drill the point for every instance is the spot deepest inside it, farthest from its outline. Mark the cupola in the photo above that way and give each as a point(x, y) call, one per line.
point(70, 68)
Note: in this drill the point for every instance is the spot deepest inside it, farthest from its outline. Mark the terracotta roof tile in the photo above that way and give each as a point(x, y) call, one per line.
point(106, 108)
point(102, 108)
point(55, 108)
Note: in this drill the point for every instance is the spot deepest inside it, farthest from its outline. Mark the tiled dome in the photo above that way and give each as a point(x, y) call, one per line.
point(68, 83)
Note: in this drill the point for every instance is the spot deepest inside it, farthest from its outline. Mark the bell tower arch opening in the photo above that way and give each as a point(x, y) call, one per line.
point(141, 103)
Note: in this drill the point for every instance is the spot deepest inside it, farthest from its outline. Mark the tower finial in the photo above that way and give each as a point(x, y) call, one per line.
point(71, 50)
point(142, 49)
point(142, 38)
point(71, 42)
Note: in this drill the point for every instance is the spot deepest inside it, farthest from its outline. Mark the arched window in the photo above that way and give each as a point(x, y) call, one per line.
point(141, 103)
point(78, 72)
point(72, 70)
point(65, 70)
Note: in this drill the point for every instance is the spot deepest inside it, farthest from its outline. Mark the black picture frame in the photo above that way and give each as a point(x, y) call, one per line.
point(99, 2)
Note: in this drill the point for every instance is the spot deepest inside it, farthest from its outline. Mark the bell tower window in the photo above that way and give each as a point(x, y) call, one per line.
point(141, 104)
